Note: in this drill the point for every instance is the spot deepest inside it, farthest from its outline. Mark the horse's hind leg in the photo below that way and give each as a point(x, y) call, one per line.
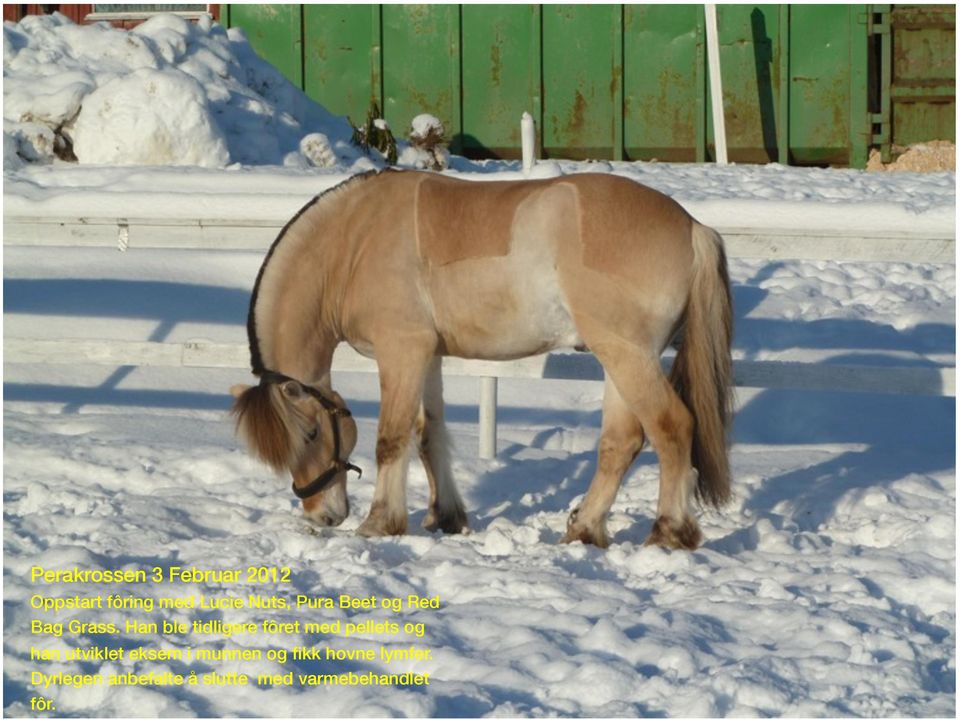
point(669, 425)
point(445, 510)
point(621, 438)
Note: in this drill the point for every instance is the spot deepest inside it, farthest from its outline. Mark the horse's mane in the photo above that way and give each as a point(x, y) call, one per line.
point(256, 359)
point(266, 425)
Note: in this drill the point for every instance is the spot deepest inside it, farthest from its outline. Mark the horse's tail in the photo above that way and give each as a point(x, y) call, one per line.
point(264, 424)
point(702, 372)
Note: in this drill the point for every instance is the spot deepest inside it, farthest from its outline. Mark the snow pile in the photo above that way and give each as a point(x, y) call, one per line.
point(168, 92)
point(151, 117)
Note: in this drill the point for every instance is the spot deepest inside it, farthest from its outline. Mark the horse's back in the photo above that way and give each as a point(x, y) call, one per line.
point(629, 230)
point(507, 269)
point(490, 252)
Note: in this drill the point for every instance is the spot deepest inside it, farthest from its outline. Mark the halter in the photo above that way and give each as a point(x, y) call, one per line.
point(337, 465)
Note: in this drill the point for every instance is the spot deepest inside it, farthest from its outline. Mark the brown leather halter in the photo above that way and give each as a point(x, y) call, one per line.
point(337, 465)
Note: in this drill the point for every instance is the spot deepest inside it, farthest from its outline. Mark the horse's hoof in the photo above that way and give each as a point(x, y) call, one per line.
point(451, 523)
point(671, 534)
point(382, 526)
point(430, 522)
point(596, 535)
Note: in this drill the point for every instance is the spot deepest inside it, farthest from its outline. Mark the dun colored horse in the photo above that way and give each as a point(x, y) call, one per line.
point(408, 267)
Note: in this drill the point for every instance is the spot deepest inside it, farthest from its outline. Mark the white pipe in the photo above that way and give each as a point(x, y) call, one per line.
point(716, 87)
point(488, 417)
point(528, 141)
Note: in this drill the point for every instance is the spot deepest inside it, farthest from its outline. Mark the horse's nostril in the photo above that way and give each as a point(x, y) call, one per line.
point(327, 520)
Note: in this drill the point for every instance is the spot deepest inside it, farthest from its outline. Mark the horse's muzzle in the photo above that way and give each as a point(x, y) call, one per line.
point(329, 512)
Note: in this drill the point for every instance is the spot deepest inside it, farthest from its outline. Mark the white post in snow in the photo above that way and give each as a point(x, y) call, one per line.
point(488, 385)
point(716, 88)
point(528, 140)
point(488, 417)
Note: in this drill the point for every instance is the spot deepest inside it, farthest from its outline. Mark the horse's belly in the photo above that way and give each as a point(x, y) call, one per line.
point(487, 309)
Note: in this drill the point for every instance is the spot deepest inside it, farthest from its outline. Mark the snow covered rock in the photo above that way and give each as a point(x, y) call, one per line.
point(315, 147)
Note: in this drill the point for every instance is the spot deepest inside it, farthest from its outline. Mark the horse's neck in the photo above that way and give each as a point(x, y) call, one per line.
point(297, 294)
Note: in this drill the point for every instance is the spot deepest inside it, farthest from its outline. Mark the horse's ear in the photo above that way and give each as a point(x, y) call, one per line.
point(238, 389)
point(291, 389)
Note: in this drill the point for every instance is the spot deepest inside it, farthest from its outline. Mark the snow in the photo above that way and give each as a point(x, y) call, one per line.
point(166, 92)
point(424, 124)
point(178, 133)
point(826, 588)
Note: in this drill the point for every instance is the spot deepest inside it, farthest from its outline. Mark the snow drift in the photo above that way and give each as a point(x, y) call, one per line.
point(168, 92)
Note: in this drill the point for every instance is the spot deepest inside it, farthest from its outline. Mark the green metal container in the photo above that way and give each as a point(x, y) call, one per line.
point(664, 82)
point(924, 79)
point(802, 84)
point(275, 32)
point(500, 65)
point(341, 57)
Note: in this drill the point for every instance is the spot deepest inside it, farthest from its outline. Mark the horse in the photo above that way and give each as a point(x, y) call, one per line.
point(408, 267)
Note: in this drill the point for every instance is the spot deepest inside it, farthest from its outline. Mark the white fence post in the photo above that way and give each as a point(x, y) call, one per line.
point(528, 141)
point(488, 417)
point(716, 87)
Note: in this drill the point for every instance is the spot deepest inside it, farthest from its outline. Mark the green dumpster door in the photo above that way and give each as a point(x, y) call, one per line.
point(341, 63)
point(828, 84)
point(421, 71)
point(924, 73)
point(501, 72)
point(750, 71)
point(274, 31)
point(581, 80)
point(663, 81)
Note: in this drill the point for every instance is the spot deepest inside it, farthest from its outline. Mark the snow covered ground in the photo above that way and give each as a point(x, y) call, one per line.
point(826, 588)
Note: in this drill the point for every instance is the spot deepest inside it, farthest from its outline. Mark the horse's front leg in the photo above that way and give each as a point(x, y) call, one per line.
point(445, 510)
point(402, 372)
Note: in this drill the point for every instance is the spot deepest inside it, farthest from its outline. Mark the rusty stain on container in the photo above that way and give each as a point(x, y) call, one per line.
point(495, 63)
point(615, 77)
point(577, 121)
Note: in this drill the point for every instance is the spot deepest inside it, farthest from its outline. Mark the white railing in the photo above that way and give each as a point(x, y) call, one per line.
point(553, 366)
point(237, 233)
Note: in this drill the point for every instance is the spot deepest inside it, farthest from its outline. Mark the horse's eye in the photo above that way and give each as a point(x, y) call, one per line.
point(313, 434)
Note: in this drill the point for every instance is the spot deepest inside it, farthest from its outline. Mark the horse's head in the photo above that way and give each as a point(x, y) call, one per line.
point(303, 429)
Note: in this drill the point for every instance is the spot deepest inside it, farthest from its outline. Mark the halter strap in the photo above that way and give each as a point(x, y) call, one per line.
point(271, 377)
point(337, 465)
point(325, 479)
